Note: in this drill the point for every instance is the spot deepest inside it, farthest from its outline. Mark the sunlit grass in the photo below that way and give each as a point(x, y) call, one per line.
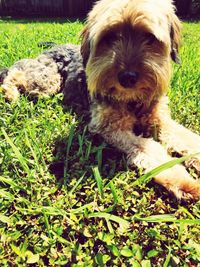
point(67, 199)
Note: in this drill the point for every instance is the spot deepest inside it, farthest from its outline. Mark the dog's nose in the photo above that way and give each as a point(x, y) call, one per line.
point(128, 78)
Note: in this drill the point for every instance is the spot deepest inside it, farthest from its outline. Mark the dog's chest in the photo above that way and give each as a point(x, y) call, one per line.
point(146, 122)
point(115, 117)
point(146, 128)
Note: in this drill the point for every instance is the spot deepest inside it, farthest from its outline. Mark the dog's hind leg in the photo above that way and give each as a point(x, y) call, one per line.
point(13, 83)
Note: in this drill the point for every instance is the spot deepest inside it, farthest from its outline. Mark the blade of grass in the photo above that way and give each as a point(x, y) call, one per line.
point(110, 228)
point(61, 239)
point(166, 263)
point(99, 181)
point(166, 218)
point(10, 182)
point(114, 192)
point(71, 136)
point(37, 148)
point(28, 143)
point(17, 153)
point(88, 151)
point(185, 211)
point(122, 222)
point(99, 157)
point(40, 210)
point(82, 208)
point(148, 176)
point(46, 222)
point(77, 184)
point(152, 219)
point(81, 141)
point(6, 195)
point(69, 144)
point(5, 219)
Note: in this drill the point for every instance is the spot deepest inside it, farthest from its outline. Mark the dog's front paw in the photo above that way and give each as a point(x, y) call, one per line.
point(186, 190)
point(178, 181)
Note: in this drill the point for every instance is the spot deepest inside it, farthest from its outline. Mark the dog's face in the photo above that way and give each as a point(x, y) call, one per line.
point(127, 47)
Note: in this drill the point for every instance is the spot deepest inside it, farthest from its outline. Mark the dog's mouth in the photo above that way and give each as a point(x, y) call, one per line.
point(139, 93)
point(112, 90)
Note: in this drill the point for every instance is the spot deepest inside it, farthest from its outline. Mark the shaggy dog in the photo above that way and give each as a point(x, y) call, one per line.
point(126, 50)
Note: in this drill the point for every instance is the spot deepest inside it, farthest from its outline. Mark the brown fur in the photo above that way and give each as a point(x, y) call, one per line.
point(139, 36)
point(35, 76)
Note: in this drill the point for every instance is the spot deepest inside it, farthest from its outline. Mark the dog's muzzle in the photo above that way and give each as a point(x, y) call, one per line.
point(128, 79)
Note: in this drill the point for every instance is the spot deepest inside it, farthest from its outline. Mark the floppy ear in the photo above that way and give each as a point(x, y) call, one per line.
point(85, 45)
point(175, 35)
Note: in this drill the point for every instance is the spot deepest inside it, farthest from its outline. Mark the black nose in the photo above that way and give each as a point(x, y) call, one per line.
point(128, 78)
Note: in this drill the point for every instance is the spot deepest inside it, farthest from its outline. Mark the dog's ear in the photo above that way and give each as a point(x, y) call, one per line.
point(175, 35)
point(85, 45)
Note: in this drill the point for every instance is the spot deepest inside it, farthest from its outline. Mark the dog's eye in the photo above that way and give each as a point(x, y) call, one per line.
point(109, 38)
point(150, 38)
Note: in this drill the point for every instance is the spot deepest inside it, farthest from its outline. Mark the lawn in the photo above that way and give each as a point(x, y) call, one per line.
point(67, 198)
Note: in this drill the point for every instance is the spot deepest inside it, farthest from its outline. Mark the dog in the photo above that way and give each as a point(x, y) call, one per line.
point(125, 55)
point(127, 48)
point(59, 69)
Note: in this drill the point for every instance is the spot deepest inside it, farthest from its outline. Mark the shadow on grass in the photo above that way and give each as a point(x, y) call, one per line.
point(86, 151)
point(92, 151)
point(80, 151)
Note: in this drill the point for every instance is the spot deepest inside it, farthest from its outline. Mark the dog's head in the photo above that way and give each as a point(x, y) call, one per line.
point(127, 47)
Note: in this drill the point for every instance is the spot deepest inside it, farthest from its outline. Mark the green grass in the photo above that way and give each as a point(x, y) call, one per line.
point(185, 100)
point(89, 210)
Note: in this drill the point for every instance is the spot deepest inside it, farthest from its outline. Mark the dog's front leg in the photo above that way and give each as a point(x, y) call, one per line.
point(148, 154)
point(115, 127)
point(176, 137)
point(179, 139)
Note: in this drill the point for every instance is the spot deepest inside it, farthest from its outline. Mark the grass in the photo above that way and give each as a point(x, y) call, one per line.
point(68, 199)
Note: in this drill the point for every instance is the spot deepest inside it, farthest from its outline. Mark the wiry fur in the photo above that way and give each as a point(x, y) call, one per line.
point(139, 36)
point(59, 69)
